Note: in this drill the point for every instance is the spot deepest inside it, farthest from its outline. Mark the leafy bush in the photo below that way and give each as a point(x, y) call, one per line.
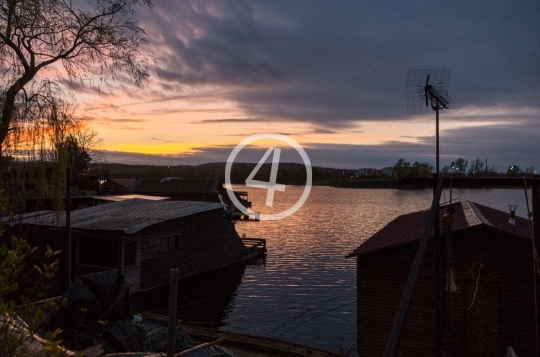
point(20, 318)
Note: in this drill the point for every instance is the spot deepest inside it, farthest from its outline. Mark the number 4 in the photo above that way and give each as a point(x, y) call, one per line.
point(271, 185)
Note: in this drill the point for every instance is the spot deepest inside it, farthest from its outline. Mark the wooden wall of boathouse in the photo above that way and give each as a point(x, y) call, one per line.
point(194, 244)
point(131, 266)
point(493, 307)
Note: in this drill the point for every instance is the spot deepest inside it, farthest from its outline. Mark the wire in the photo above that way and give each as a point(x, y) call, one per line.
point(450, 191)
point(317, 315)
point(301, 314)
point(477, 281)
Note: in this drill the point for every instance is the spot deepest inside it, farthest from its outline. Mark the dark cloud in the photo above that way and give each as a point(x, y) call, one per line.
point(166, 141)
point(114, 122)
point(331, 63)
point(502, 145)
point(324, 131)
point(127, 128)
point(232, 120)
point(139, 158)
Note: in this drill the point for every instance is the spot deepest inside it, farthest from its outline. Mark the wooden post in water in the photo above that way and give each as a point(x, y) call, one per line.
point(173, 302)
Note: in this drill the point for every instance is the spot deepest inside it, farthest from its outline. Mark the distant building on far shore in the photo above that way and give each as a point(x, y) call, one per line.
point(387, 171)
point(368, 171)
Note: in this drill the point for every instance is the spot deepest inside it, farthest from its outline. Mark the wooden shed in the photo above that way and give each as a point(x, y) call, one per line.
point(489, 295)
point(144, 239)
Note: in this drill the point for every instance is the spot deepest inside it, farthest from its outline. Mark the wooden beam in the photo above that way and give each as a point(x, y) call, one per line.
point(200, 347)
point(173, 303)
point(403, 310)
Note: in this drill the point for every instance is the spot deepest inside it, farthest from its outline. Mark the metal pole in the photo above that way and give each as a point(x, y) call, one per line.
point(437, 249)
point(68, 227)
point(438, 279)
point(437, 141)
point(536, 209)
point(173, 302)
point(535, 193)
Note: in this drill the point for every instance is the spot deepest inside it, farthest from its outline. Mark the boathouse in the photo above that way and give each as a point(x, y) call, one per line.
point(143, 239)
point(489, 295)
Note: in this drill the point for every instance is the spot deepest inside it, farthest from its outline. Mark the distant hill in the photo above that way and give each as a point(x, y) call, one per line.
point(288, 172)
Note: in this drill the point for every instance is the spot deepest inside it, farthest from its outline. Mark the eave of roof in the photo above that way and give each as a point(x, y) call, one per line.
point(409, 228)
point(129, 197)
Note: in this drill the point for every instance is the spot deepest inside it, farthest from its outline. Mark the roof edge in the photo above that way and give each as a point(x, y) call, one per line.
point(473, 215)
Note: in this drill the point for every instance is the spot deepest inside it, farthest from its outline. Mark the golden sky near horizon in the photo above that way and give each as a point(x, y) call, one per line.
point(178, 125)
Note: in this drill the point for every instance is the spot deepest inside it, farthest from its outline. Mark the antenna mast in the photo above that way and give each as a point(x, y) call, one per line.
point(429, 88)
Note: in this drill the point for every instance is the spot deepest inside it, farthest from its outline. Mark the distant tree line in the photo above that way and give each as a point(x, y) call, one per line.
point(404, 168)
point(480, 168)
point(294, 173)
point(458, 168)
point(287, 173)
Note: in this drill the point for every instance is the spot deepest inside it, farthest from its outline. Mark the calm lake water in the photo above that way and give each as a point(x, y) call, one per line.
point(306, 290)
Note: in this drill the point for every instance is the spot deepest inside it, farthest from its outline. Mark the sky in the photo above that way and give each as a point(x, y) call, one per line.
point(331, 76)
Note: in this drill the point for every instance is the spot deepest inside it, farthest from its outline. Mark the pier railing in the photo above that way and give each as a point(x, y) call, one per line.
point(255, 243)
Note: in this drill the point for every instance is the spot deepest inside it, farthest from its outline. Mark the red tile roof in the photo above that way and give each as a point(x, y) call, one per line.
point(410, 227)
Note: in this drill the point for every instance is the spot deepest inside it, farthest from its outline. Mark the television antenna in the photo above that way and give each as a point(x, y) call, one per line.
point(429, 91)
point(429, 88)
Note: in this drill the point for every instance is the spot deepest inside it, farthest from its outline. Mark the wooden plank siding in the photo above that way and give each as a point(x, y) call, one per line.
point(202, 242)
point(132, 273)
point(506, 272)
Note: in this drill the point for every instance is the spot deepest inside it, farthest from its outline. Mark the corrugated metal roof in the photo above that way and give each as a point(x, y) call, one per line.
point(410, 227)
point(129, 216)
point(129, 197)
point(28, 217)
point(176, 185)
